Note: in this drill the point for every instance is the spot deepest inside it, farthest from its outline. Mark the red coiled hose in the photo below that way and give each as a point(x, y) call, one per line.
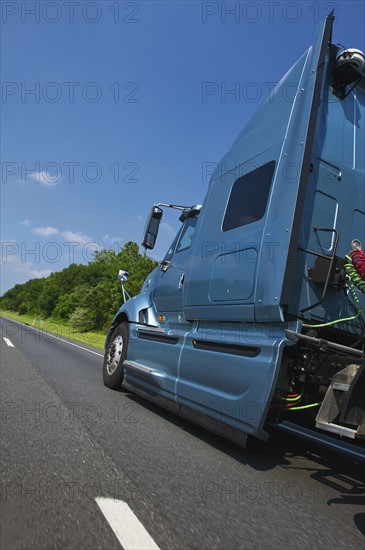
point(358, 259)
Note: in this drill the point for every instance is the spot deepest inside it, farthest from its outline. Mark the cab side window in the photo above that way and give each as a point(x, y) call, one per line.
point(186, 235)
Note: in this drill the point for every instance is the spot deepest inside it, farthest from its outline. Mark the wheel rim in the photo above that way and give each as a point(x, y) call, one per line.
point(114, 355)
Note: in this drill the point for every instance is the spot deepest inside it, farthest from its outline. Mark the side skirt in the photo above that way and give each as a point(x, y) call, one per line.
point(211, 424)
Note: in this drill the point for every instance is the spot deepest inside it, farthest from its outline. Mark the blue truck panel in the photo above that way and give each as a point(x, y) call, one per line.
point(255, 316)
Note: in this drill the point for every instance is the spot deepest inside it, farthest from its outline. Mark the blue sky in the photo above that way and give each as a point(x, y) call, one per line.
point(111, 106)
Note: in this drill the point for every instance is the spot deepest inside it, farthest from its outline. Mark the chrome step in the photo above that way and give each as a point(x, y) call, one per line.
point(334, 404)
point(340, 386)
point(337, 429)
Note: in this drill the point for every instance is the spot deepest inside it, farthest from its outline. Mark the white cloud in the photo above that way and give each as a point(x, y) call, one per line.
point(22, 266)
point(71, 236)
point(45, 231)
point(18, 271)
point(9, 251)
point(38, 274)
point(108, 239)
point(77, 237)
point(140, 219)
point(46, 179)
point(26, 269)
point(27, 222)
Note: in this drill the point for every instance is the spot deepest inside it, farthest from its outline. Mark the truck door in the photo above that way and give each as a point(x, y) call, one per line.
point(158, 349)
point(167, 296)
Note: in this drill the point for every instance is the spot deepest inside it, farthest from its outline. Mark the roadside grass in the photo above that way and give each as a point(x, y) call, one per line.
point(59, 328)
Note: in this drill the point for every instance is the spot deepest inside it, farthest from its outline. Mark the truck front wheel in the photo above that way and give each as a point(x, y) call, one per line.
point(115, 354)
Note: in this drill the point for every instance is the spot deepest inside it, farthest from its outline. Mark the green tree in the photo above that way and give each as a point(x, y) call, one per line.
point(48, 297)
point(80, 319)
point(105, 256)
point(87, 294)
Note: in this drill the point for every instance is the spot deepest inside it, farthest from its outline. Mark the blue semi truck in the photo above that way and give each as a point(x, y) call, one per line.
point(254, 317)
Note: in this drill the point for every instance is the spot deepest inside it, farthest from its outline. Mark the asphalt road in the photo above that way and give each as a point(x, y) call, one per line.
point(68, 444)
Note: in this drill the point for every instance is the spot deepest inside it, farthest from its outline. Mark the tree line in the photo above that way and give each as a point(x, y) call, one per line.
point(87, 296)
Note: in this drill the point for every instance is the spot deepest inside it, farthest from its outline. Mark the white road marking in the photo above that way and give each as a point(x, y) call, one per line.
point(77, 346)
point(56, 336)
point(7, 341)
point(126, 526)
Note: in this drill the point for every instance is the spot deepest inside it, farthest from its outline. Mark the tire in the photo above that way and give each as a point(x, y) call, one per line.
point(115, 354)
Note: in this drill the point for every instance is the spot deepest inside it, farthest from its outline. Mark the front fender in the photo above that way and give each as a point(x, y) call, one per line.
point(130, 312)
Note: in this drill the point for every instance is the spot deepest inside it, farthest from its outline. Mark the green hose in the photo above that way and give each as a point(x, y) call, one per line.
point(305, 406)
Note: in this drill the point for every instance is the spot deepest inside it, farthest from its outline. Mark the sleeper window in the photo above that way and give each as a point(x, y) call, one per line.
point(248, 199)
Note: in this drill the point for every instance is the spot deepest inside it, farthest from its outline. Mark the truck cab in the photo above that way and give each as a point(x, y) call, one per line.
point(254, 317)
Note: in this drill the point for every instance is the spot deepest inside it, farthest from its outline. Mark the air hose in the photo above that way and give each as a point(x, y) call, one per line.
point(292, 402)
point(311, 405)
point(355, 273)
point(287, 401)
point(355, 268)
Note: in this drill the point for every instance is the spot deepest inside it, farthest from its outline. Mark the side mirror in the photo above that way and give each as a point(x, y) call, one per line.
point(123, 276)
point(152, 227)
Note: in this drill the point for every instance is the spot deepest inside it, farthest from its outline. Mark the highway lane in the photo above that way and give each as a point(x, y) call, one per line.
point(188, 488)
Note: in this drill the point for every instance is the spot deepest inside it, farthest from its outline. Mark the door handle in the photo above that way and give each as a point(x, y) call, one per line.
point(181, 282)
